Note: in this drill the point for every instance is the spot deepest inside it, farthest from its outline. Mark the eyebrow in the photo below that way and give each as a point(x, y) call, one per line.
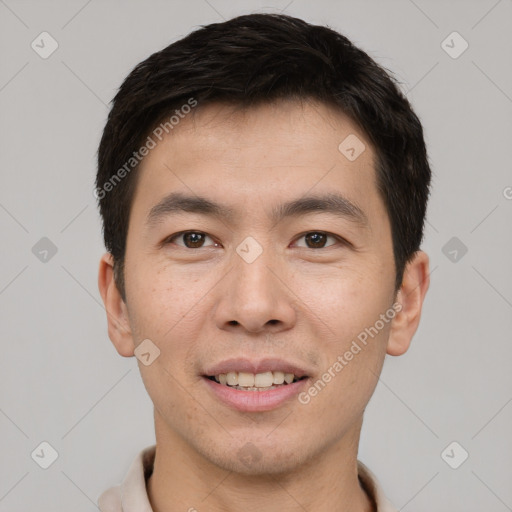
point(333, 203)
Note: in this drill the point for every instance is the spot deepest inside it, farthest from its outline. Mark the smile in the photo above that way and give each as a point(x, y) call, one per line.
point(251, 385)
point(245, 381)
point(253, 398)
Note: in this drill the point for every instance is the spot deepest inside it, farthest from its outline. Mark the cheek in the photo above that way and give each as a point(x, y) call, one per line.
point(169, 313)
point(162, 297)
point(354, 345)
point(350, 374)
point(346, 301)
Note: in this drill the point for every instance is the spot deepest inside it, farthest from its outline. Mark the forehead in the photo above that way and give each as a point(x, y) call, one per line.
point(288, 131)
point(244, 157)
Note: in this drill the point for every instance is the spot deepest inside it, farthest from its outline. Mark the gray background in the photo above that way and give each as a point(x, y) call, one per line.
point(61, 379)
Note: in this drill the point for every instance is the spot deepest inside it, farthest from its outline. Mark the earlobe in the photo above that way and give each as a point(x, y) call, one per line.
point(119, 330)
point(410, 297)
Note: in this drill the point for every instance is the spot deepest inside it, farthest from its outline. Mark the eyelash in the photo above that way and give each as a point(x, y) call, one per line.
point(342, 241)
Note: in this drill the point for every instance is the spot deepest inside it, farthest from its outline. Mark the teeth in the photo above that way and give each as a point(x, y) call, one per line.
point(278, 377)
point(262, 381)
point(232, 378)
point(246, 379)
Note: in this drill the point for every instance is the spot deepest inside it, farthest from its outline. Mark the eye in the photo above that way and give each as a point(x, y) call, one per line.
point(196, 239)
point(192, 239)
point(317, 239)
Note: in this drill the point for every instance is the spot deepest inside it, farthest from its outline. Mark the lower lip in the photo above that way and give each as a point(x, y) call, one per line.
point(255, 401)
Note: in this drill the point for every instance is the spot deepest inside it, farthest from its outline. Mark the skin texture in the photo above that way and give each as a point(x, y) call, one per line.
point(297, 301)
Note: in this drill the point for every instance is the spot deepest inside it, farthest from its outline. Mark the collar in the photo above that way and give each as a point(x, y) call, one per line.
point(131, 495)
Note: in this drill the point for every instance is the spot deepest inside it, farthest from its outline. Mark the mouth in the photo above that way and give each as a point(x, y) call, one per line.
point(245, 381)
point(250, 386)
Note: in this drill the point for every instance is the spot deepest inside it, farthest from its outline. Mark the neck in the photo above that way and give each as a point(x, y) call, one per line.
point(183, 479)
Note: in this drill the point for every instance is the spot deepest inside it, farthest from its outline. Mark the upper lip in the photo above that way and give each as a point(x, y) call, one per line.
point(256, 366)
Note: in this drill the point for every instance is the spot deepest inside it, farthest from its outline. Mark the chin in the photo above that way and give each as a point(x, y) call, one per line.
point(257, 459)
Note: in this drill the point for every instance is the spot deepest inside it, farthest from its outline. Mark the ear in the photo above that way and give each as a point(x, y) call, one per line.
point(410, 296)
point(119, 330)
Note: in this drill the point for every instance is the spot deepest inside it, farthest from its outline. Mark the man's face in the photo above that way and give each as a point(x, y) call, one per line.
point(257, 290)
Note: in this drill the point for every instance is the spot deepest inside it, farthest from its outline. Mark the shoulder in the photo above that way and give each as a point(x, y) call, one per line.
point(110, 500)
point(373, 488)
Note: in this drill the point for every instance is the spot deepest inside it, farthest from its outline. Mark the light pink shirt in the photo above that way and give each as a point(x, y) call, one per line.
point(131, 495)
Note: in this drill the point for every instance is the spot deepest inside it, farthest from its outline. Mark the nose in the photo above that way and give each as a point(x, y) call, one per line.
point(256, 296)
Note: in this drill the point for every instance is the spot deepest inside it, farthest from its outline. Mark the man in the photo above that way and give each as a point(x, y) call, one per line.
point(263, 187)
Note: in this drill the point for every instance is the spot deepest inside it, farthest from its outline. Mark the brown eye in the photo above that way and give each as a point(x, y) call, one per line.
point(317, 239)
point(191, 239)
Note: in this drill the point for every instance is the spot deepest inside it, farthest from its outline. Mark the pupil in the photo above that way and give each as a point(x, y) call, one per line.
point(316, 238)
point(194, 238)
